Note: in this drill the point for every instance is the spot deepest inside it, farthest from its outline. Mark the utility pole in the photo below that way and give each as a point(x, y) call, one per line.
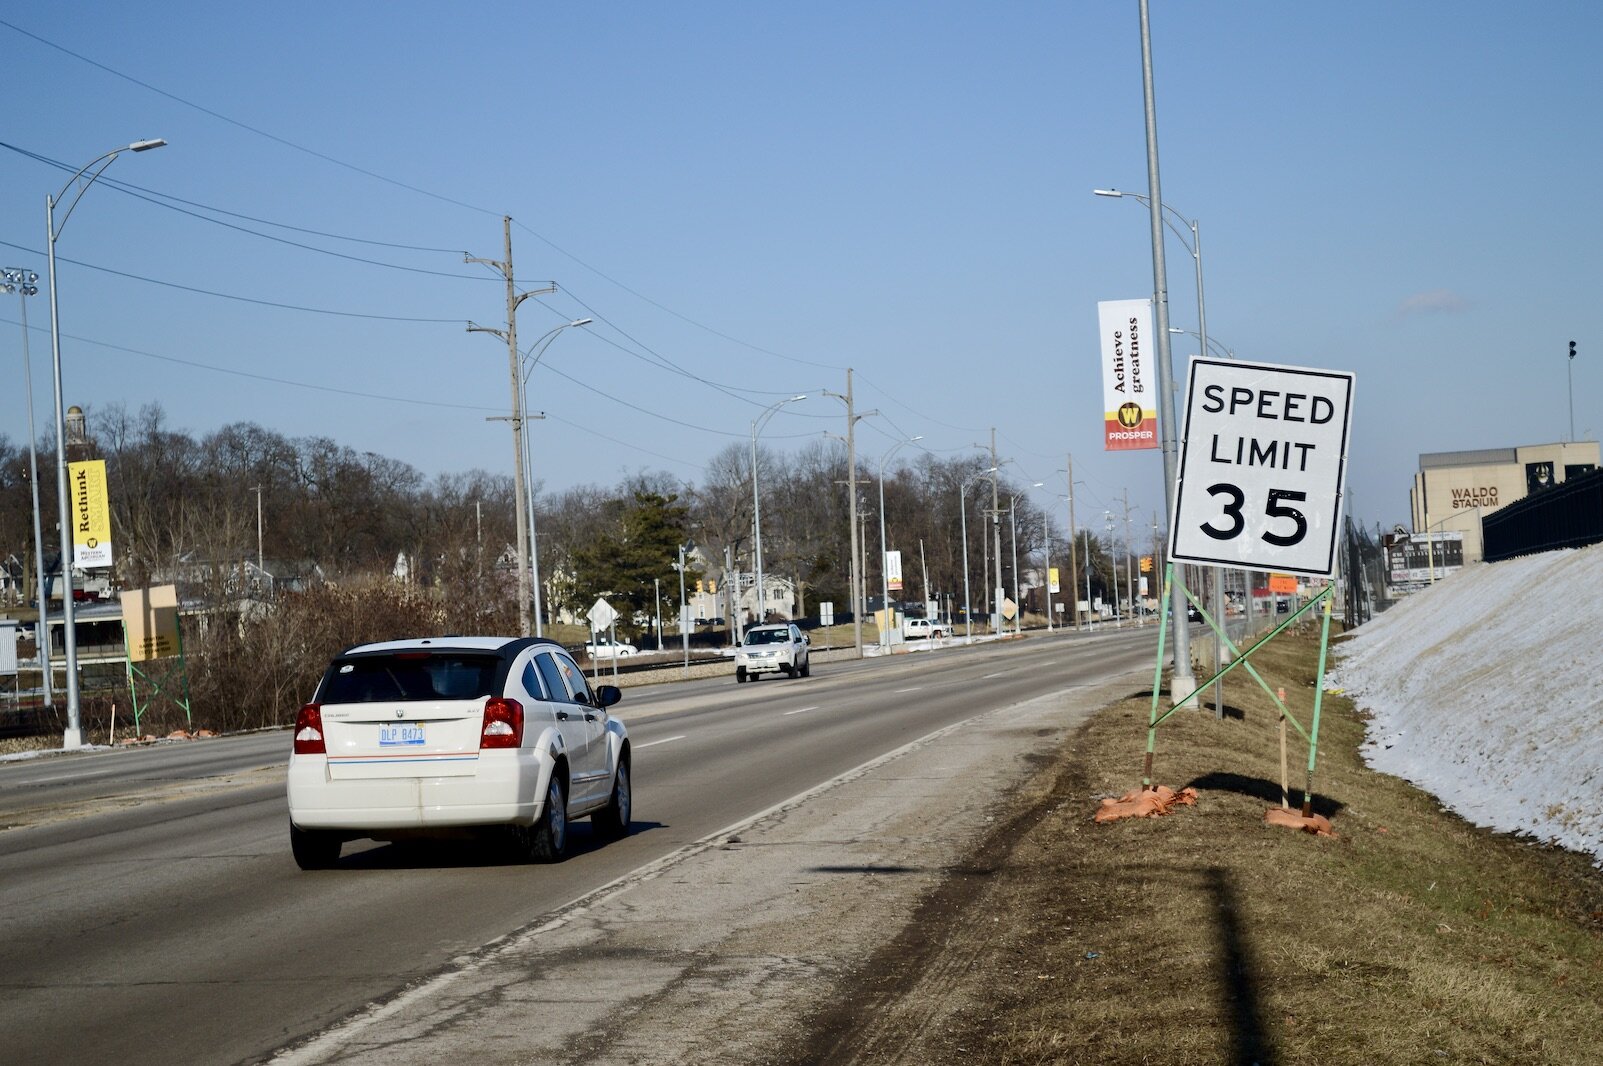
point(996, 530)
point(1129, 576)
point(1074, 589)
point(510, 335)
point(856, 577)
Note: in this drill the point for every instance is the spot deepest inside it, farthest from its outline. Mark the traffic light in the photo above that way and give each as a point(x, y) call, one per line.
point(1572, 349)
point(699, 584)
point(1146, 564)
point(712, 587)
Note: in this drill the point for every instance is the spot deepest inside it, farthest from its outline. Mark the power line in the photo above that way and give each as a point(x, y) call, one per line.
point(252, 129)
point(231, 296)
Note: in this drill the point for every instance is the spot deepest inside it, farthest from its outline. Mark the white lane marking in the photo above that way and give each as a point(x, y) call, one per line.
point(801, 710)
point(74, 777)
point(988, 677)
point(664, 740)
point(899, 691)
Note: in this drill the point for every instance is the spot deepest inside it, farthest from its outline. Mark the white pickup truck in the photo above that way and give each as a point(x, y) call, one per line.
point(913, 628)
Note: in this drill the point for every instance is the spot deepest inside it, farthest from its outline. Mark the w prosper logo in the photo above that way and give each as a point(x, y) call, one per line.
point(1130, 415)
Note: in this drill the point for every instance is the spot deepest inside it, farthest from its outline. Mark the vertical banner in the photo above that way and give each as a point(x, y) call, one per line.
point(91, 514)
point(893, 570)
point(1129, 388)
point(1052, 580)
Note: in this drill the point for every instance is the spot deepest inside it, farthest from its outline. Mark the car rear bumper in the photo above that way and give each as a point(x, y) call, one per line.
point(505, 790)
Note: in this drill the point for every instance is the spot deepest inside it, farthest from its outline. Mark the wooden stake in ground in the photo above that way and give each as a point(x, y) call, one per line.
point(1285, 773)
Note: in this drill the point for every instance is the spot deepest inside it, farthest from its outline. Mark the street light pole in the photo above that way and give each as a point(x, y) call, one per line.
point(1182, 683)
point(73, 736)
point(536, 351)
point(757, 504)
point(25, 284)
point(884, 578)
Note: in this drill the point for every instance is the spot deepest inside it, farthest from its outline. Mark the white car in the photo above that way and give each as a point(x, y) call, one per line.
point(772, 649)
point(607, 649)
point(449, 736)
point(924, 627)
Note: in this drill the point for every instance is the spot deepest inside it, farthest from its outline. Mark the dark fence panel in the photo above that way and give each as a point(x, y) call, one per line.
point(1568, 515)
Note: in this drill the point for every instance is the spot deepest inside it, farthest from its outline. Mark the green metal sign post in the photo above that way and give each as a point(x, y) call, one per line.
point(1243, 659)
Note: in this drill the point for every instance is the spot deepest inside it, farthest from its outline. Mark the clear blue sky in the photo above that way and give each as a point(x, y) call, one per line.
point(749, 198)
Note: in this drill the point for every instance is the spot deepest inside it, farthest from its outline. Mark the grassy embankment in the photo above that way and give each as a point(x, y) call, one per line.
point(1208, 937)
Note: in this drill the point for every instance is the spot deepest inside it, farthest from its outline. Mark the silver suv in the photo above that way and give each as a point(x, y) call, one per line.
point(772, 649)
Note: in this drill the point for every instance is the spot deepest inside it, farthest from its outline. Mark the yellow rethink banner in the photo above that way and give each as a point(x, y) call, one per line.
point(91, 514)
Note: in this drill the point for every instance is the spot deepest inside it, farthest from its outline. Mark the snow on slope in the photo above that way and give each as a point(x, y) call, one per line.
point(1485, 691)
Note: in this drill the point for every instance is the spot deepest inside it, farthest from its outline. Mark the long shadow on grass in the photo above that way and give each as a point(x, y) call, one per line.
point(1251, 1042)
point(1263, 789)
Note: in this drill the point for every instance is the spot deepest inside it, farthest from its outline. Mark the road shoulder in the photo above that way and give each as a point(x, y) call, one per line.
point(730, 950)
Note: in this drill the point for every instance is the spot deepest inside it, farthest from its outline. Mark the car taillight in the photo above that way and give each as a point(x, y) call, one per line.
point(503, 724)
point(309, 731)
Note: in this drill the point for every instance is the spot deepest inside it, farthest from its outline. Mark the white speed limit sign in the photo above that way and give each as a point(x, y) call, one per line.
point(1263, 461)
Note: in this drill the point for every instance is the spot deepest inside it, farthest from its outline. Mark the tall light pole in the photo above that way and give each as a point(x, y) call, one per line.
point(510, 335)
point(73, 737)
point(962, 513)
point(757, 425)
point(1183, 682)
point(884, 578)
point(535, 352)
point(1571, 368)
point(25, 284)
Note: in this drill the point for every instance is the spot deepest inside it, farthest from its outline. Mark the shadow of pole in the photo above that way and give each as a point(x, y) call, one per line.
point(1241, 1001)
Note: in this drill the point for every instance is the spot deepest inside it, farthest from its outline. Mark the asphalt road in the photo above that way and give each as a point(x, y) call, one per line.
point(150, 911)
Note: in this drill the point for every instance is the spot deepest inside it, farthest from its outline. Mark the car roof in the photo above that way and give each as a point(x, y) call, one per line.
point(768, 625)
point(447, 643)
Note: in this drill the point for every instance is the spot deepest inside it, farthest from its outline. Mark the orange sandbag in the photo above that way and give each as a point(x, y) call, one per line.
point(1145, 803)
point(1316, 824)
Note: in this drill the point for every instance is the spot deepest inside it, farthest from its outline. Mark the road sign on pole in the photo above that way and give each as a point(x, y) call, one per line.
point(1263, 462)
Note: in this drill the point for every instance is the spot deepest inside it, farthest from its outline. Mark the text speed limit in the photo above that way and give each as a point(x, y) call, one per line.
point(1263, 461)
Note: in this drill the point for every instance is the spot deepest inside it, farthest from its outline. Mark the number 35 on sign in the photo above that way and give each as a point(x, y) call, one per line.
point(1263, 464)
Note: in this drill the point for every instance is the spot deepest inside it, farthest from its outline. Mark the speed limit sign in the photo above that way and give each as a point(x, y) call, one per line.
point(1263, 461)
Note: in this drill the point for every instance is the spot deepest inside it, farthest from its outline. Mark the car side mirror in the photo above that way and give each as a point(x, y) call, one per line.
point(607, 695)
point(806, 639)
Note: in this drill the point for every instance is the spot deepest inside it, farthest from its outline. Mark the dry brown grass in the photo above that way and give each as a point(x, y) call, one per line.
point(1207, 937)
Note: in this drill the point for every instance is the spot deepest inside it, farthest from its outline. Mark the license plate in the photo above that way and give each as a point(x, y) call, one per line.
point(403, 734)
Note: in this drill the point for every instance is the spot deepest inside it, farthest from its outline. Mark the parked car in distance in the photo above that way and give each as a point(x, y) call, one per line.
point(607, 649)
point(772, 649)
point(456, 736)
point(913, 628)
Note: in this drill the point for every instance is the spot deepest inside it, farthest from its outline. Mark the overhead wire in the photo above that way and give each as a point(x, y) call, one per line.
point(231, 296)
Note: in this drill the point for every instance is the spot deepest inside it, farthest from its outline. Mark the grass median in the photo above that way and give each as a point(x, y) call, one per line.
point(1208, 937)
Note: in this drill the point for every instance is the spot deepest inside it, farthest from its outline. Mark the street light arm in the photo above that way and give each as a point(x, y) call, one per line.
point(1146, 201)
point(537, 350)
point(104, 161)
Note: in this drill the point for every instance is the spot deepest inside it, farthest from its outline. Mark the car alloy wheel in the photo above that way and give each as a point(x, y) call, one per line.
point(548, 838)
point(612, 821)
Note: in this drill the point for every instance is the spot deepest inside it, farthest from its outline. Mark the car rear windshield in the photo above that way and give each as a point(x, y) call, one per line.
point(767, 636)
point(409, 678)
